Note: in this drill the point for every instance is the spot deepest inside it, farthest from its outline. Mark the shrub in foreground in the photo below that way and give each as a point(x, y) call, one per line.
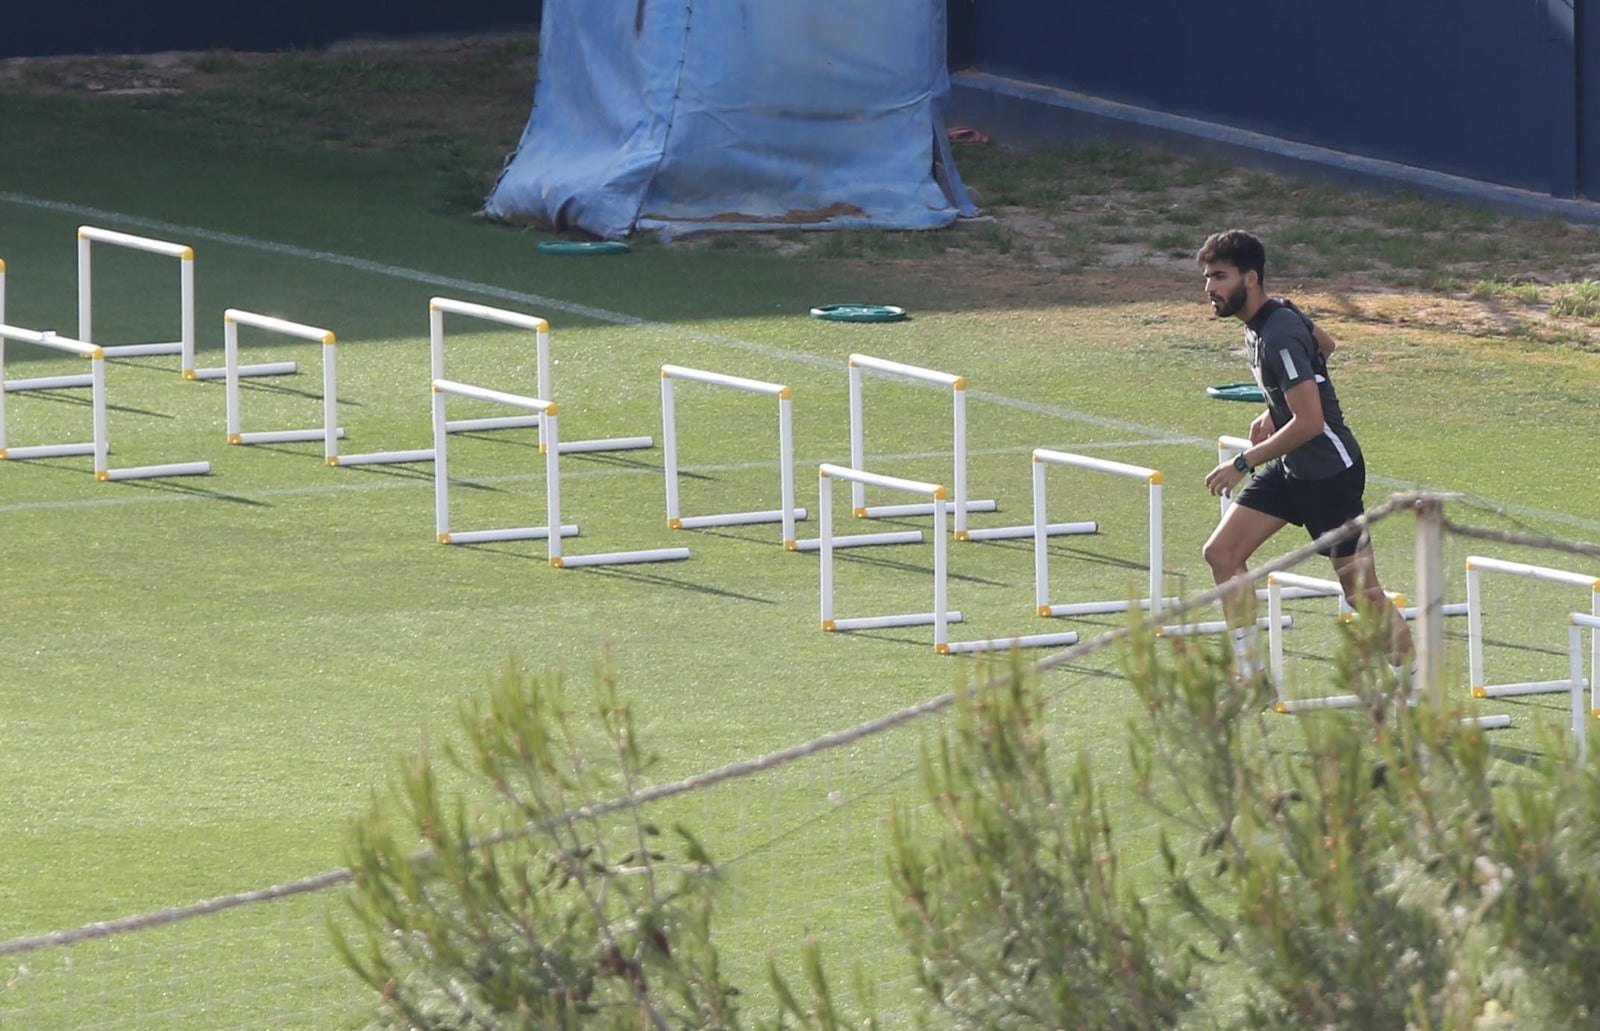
point(543, 903)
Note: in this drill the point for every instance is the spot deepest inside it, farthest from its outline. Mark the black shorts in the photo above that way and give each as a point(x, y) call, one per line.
point(1317, 505)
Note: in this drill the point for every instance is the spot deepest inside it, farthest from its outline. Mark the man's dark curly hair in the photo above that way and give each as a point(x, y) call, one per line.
point(1238, 248)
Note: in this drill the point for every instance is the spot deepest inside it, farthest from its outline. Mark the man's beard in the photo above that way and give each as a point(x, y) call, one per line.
point(1232, 303)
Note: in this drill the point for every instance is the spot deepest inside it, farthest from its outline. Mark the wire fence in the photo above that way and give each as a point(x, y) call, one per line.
point(801, 834)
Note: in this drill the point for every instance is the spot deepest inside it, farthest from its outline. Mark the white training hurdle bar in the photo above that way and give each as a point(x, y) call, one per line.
point(96, 381)
point(941, 616)
point(554, 529)
point(786, 513)
point(329, 433)
point(1044, 457)
point(1227, 448)
point(543, 386)
point(441, 470)
point(1477, 565)
point(1577, 622)
point(37, 382)
point(1213, 626)
point(1278, 587)
point(100, 446)
point(184, 346)
point(958, 503)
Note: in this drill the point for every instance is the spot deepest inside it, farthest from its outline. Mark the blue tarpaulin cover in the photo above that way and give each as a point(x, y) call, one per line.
point(676, 116)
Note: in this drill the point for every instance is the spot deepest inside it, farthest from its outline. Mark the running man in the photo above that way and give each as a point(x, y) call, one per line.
point(1308, 467)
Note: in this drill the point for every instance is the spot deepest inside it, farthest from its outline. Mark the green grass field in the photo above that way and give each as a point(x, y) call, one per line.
point(203, 678)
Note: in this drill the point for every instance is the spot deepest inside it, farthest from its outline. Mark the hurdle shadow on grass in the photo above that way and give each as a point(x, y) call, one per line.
point(295, 449)
point(1096, 558)
point(161, 485)
point(258, 386)
point(639, 576)
point(853, 556)
point(478, 485)
point(1524, 647)
point(1517, 755)
point(420, 471)
point(632, 574)
point(60, 398)
point(610, 460)
point(530, 441)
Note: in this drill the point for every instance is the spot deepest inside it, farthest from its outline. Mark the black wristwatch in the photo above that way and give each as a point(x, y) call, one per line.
point(1240, 464)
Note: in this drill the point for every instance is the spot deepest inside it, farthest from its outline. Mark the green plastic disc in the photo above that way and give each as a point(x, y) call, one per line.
point(852, 312)
point(583, 247)
point(1237, 392)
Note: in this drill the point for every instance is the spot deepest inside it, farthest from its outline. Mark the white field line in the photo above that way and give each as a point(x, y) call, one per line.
point(353, 485)
point(1157, 436)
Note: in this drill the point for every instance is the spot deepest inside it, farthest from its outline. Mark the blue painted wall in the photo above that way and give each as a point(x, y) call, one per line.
point(1487, 89)
point(1504, 91)
point(119, 27)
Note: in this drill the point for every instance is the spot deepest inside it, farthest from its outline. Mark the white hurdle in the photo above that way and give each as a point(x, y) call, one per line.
point(786, 513)
point(543, 387)
point(184, 346)
point(329, 433)
point(1227, 448)
point(1000, 533)
point(958, 503)
point(1477, 565)
point(100, 446)
point(97, 382)
point(441, 470)
point(1043, 458)
point(1278, 587)
point(37, 382)
point(941, 616)
point(554, 529)
point(1577, 622)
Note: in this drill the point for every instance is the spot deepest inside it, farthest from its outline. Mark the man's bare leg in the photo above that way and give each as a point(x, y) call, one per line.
point(1241, 531)
point(1358, 574)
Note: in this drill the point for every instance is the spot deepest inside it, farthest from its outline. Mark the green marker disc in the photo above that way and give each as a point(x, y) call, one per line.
point(583, 247)
point(851, 312)
point(1237, 392)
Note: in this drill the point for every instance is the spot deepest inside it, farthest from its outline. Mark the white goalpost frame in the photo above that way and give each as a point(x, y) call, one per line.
point(1477, 565)
point(1045, 457)
point(184, 346)
point(330, 432)
point(941, 616)
point(786, 513)
point(100, 446)
point(958, 504)
point(543, 387)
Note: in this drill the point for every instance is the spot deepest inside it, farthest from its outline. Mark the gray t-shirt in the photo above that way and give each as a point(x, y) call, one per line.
point(1282, 354)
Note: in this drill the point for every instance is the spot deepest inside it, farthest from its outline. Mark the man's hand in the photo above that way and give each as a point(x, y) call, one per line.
point(1261, 428)
point(1221, 480)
